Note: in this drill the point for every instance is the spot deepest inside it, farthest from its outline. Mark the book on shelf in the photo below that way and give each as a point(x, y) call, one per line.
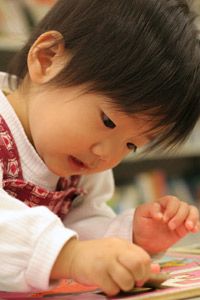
point(151, 185)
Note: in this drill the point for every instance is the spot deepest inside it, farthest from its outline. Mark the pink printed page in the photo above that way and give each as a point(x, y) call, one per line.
point(184, 282)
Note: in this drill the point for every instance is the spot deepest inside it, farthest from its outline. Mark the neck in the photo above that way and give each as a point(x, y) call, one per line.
point(19, 102)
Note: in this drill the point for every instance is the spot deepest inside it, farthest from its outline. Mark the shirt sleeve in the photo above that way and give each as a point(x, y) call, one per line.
point(91, 217)
point(30, 241)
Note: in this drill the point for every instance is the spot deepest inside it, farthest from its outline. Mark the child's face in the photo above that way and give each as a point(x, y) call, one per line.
point(78, 133)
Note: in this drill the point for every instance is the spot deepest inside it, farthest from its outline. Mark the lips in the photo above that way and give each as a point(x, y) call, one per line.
point(78, 164)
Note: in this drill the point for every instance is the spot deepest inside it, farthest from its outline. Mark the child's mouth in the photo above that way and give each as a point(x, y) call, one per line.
point(76, 163)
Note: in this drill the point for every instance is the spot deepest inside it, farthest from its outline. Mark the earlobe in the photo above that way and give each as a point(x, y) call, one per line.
point(46, 57)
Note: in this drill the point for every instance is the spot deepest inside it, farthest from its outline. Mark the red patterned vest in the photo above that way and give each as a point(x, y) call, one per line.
point(58, 201)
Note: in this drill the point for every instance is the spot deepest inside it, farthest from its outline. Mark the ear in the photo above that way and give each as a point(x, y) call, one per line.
point(46, 57)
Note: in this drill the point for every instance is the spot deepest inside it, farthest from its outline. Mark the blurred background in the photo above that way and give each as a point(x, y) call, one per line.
point(139, 178)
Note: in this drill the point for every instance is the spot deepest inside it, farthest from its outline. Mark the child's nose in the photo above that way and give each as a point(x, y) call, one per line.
point(104, 150)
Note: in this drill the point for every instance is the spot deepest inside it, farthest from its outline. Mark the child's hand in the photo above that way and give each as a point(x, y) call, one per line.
point(158, 225)
point(111, 264)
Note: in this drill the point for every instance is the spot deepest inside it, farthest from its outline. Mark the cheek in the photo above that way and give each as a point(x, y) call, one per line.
point(112, 162)
point(55, 140)
point(105, 166)
point(42, 134)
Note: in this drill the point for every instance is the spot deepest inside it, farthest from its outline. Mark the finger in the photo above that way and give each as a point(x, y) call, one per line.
point(170, 207)
point(181, 231)
point(138, 265)
point(180, 216)
point(108, 285)
point(122, 277)
point(150, 210)
point(154, 269)
point(192, 221)
point(155, 211)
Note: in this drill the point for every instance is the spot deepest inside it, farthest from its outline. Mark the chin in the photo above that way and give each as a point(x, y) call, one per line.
point(59, 173)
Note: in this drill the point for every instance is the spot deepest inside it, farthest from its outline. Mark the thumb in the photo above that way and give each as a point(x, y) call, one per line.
point(150, 210)
point(156, 211)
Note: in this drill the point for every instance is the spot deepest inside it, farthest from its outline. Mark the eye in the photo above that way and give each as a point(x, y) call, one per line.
point(132, 147)
point(107, 121)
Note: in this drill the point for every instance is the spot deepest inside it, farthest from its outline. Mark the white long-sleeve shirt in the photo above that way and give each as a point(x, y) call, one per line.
point(31, 238)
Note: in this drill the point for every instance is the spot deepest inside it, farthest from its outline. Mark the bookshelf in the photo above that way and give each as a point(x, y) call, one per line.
point(17, 18)
point(138, 179)
point(149, 177)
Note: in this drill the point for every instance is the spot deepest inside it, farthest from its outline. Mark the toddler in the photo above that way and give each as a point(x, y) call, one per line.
point(96, 80)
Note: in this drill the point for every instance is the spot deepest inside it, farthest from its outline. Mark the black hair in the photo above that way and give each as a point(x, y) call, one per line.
point(144, 55)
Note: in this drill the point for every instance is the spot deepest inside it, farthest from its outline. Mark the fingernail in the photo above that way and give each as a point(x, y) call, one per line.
point(139, 283)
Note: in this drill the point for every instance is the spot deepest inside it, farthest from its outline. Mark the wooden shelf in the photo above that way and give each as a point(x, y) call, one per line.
point(174, 166)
